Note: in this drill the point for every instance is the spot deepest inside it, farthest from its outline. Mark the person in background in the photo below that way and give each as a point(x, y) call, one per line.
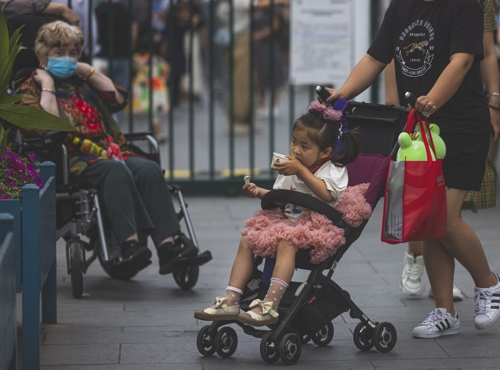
point(113, 20)
point(413, 264)
point(262, 39)
point(141, 87)
point(11, 8)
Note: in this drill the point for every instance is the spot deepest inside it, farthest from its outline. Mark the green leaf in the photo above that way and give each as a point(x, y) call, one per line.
point(14, 39)
point(13, 99)
point(5, 71)
point(4, 36)
point(32, 118)
point(3, 139)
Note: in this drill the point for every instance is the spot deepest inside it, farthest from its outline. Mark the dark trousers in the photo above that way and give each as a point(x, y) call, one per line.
point(135, 197)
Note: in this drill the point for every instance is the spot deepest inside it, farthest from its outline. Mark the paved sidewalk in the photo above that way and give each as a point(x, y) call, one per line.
point(147, 322)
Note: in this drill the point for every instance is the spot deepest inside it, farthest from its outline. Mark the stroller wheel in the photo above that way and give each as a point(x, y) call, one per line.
point(290, 349)
point(268, 349)
point(76, 256)
point(186, 277)
point(324, 336)
point(306, 338)
point(205, 341)
point(385, 337)
point(363, 337)
point(226, 341)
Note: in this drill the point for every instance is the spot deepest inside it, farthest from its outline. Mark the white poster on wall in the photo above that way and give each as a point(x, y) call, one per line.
point(321, 50)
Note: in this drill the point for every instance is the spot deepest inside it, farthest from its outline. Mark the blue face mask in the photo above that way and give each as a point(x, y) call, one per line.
point(61, 67)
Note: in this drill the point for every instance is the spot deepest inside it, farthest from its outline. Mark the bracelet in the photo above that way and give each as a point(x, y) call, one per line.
point(90, 74)
point(493, 94)
point(49, 91)
point(493, 107)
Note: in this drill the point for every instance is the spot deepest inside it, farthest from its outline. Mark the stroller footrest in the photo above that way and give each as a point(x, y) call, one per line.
point(198, 260)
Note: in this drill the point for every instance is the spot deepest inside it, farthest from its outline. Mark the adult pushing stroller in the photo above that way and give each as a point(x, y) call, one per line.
point(307, 308)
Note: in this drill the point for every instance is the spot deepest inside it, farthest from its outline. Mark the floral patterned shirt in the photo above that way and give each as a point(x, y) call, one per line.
point(85, 108)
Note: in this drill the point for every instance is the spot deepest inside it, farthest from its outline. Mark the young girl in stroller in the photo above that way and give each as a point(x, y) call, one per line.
point(316, 167)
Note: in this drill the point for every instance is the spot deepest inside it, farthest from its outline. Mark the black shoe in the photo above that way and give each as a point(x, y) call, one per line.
point(132, 250)
point(170, 253)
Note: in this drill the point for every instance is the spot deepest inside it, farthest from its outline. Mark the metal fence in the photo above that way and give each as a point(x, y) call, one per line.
point(206, 151)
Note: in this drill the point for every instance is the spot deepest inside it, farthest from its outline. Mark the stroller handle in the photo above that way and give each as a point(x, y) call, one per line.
point(398, 108)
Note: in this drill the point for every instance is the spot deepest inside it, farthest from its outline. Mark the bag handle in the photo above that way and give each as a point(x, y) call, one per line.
point(424, 129)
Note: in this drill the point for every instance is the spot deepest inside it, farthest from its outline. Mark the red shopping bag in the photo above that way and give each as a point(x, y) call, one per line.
point(415, 195)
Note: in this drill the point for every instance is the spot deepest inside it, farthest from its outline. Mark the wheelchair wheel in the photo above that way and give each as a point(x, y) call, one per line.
point(385, 337)
point(186, 277)
point(76, 260)
point(205, 341)
point(268, 349)
point(226, 342)
point(324, 336)
point(363, 337)
point(290, 349)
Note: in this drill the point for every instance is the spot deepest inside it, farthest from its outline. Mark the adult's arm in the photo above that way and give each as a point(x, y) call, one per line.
point(63, 10)
point(361, 77)
point(391, 88)
point(10, 8)
point(447, 84)
point(100, 81)
point(489, 70)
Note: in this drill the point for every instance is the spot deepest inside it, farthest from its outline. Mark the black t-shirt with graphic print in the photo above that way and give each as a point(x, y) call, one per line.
point(421, 36)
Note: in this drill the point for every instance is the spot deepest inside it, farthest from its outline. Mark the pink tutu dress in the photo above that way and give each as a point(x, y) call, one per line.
point(310, 229)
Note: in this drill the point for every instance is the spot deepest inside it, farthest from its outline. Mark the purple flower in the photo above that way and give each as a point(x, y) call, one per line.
point(5, 196)
point(9, 171)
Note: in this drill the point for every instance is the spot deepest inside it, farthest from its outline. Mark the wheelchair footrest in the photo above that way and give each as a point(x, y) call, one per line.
point(198, 260)
point(125, 267)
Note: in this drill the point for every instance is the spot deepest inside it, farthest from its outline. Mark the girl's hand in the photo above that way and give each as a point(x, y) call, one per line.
point(251, 190)
point(44, 79)
point(425, 104)
point(334, 96)
point(291, 167)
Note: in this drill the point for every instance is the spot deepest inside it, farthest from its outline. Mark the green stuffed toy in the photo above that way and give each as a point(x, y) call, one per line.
point(410, 150)
point(414, 150)
point(439, 144)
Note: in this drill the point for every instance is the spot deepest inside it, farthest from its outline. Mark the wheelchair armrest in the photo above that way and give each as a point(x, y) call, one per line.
point(51, 139)
point(270, 200)
point(143, 136)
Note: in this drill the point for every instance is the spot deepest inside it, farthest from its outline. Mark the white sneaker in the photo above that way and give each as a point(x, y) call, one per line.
point(487, 305)
point(438, 323)
point(457, 294)
point(411, 281)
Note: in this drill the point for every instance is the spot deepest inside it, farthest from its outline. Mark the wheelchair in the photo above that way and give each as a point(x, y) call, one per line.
point(82, 222)
point(80, 219)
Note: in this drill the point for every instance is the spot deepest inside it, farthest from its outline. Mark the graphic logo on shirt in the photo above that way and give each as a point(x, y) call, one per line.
point(415, 48)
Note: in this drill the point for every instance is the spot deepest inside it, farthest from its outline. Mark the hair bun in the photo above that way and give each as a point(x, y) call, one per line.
point(326, 110)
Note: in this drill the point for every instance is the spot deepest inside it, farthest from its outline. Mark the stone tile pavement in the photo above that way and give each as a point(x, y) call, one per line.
point(147, 322)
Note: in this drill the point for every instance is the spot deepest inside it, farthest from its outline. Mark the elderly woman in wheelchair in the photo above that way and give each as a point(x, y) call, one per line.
point(132, 188)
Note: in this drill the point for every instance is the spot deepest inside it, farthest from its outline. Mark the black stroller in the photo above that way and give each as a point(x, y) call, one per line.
point(307, 309)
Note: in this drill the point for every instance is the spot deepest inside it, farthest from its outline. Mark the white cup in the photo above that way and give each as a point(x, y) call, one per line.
point(278, 158)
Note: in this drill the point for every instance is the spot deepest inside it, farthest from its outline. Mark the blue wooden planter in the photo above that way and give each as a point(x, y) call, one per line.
point(8, 329)
point(35, 247)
